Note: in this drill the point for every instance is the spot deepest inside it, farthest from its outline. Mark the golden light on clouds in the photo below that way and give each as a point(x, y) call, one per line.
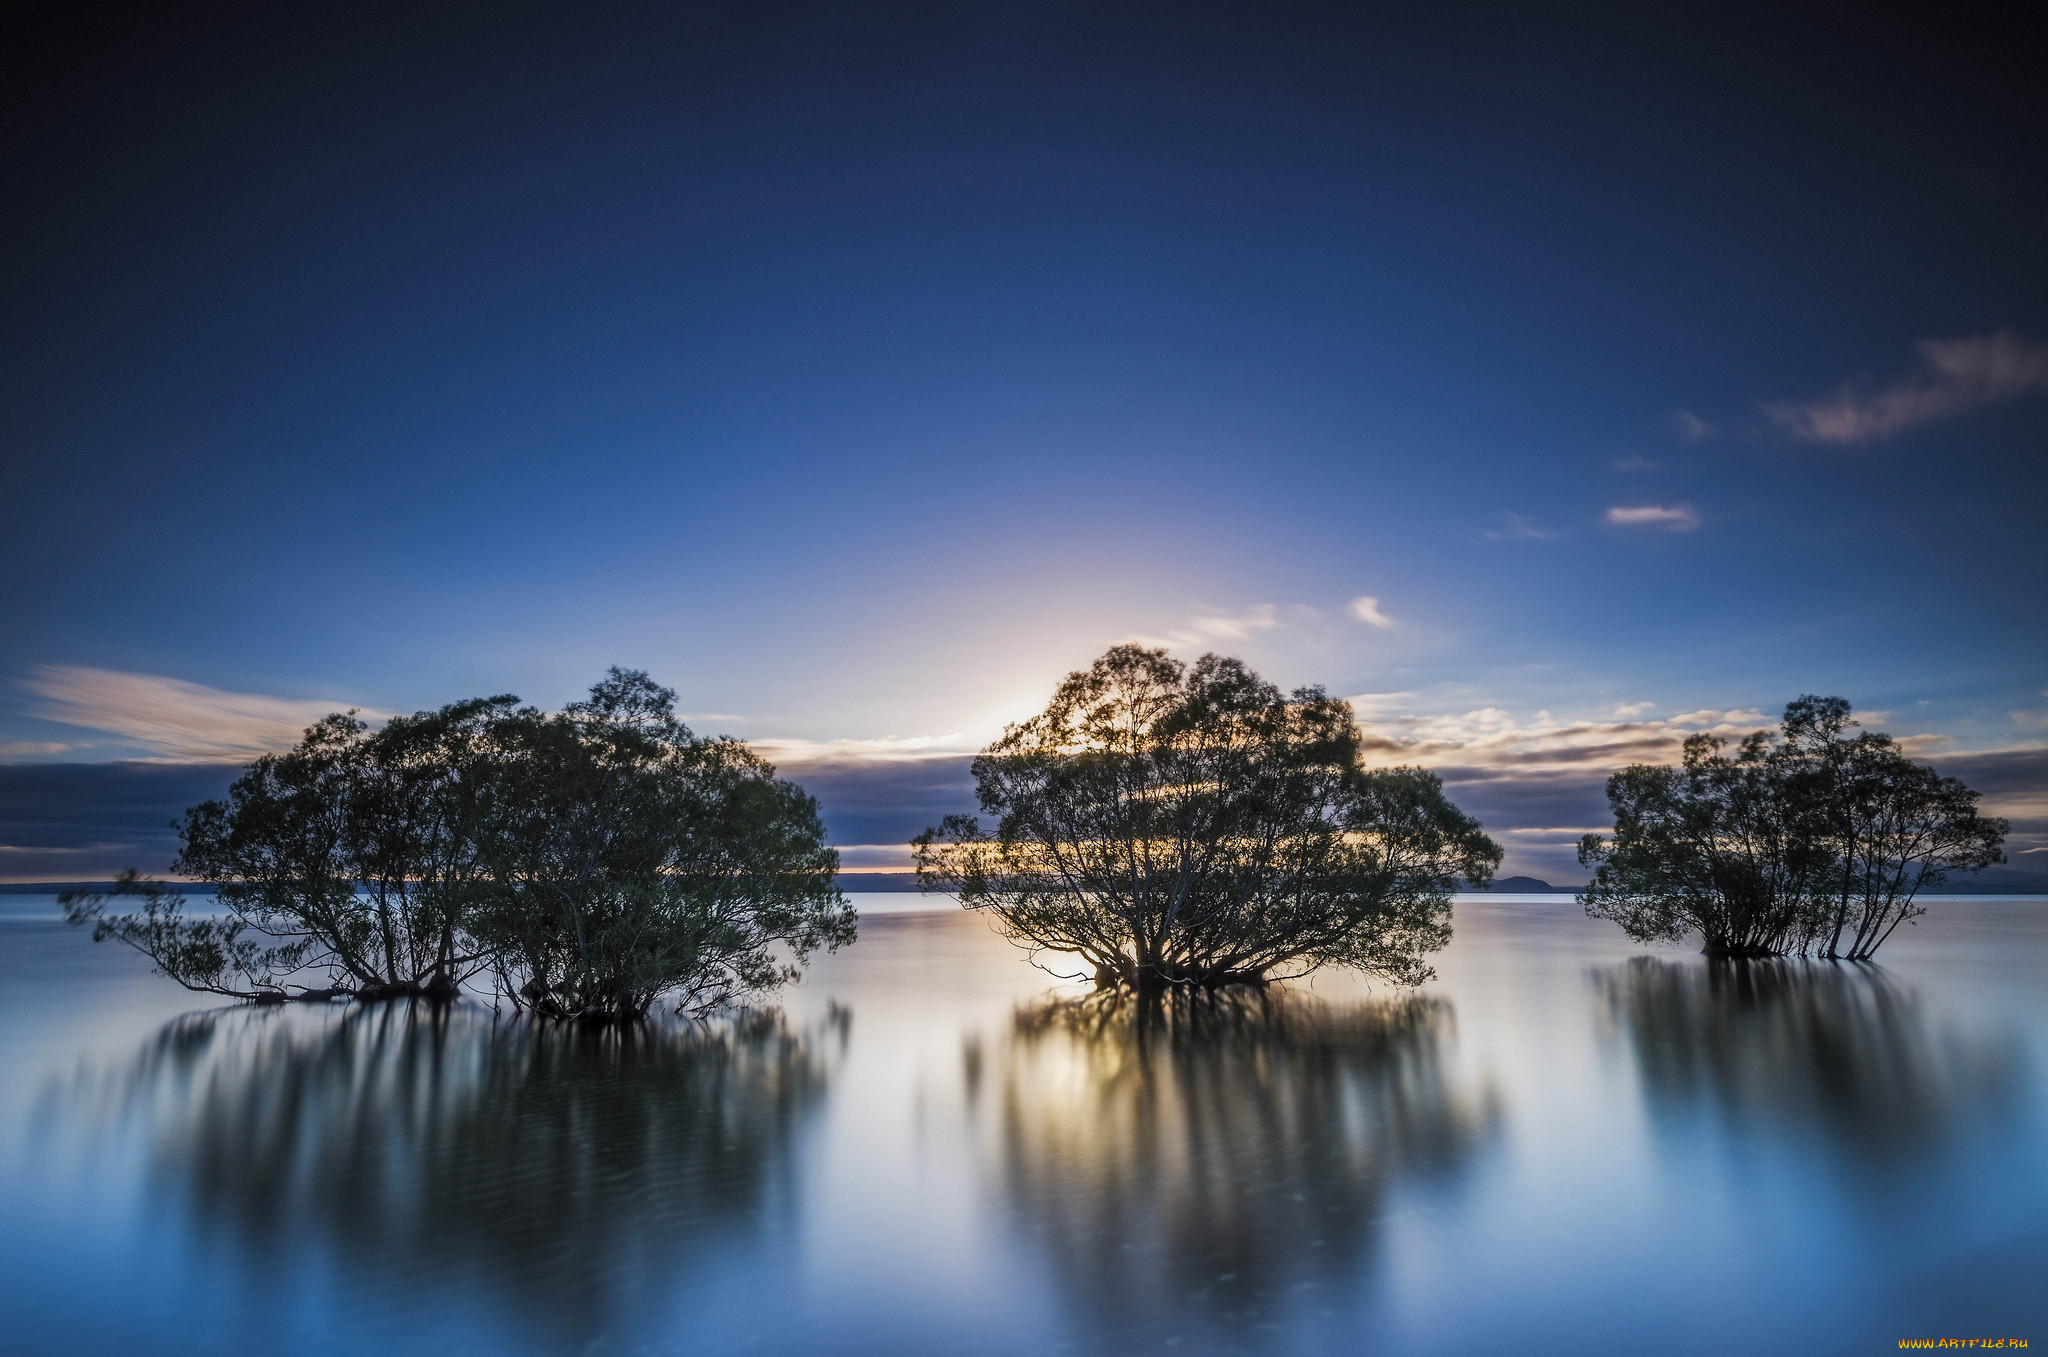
point(171, 718)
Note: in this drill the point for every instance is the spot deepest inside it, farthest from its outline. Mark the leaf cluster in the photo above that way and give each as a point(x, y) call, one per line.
point(595, 861)
point(1803, 839)
point(1190, 825)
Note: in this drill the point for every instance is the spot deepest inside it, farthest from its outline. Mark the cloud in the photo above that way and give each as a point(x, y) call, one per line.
point(1371, 706)
point(2014, 784)
point(1223, 627)
point(1520, 528)
point(1956, 376)
point(1366, 609)
point(86, 821)
point(1537, 784)
point(1692, 426)
point(888, 749)
point(1208, 628)
point(872, 808)
point(875, 857)
point(2032, 717)
point(1487, 740)
point(1672, 518)
point(173, 719)
point(1634, 461)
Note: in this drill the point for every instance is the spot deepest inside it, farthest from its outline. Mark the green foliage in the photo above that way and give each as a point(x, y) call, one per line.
point(1890, 828)
point(1803, 840)
point(1177, 825)
point(1708, 848)
point(358, 846)
point(631, 860)
point(595, 860)
point(214, 956)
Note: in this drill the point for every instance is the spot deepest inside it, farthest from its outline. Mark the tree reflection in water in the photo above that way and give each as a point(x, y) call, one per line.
point(1221, 1159)
point(563, 1173)
point(1841, 1054)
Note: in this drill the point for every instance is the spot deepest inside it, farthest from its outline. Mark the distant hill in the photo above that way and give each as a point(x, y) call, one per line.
point(1527, 885)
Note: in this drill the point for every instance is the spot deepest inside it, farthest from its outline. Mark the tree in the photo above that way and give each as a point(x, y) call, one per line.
point(212, 956)
point(349, 855)
point(1892, 828)
point(1806, 840)
point(595, 860)
point(1191, 826)
point(1705, 848)
point(631, 860)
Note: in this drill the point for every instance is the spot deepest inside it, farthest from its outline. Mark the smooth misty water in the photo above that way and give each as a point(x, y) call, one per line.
point(1567, 1144)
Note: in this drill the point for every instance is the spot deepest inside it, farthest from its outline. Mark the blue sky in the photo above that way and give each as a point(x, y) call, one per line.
point(859, 375)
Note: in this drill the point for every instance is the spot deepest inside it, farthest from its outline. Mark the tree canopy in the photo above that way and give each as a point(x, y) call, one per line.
point(596, 861)
point(1190, 825)
point(630, 859)
point(1802, 840)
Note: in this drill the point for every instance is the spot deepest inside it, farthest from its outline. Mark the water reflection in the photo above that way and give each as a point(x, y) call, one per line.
point(1843, 1055)
point(1221, 1160)
point(569, 1175)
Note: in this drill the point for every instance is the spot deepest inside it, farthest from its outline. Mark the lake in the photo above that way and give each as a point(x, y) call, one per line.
point(1567, 1143)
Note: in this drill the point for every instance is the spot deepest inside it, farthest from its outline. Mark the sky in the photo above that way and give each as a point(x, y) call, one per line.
point(1551, 384)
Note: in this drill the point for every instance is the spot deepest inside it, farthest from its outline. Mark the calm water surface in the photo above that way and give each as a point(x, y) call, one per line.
point(1566, 1144)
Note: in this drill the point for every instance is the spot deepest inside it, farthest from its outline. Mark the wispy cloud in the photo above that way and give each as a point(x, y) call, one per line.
point(1956, 376)
point(1520, 528)
point(1225, 627)
point(1213, 627)
point(1490, 739)
point(1535, 782)
point(1366, 609)
point(171, 718)
point(1634, 461)
point(2034, 718)
point(1670, 517)
point(875, 857)
point(1691, 425)
point(887, 749)
point(1371, 706)
point(34, 749)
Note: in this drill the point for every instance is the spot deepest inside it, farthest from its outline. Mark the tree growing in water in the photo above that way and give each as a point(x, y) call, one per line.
point(1804, 840)
point(1889, 828)
point(352, 855)
point(630, 860)
point(597, 860)
point(1706, 848)
point(1177, 825)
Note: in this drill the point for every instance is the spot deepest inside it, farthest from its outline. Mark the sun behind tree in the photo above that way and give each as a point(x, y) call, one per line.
point(1190, 825)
